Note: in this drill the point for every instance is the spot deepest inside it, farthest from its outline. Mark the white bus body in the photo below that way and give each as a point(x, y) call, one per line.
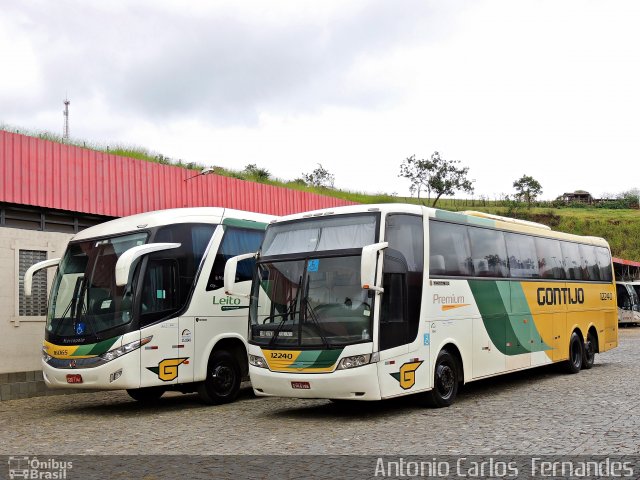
point(137, 303)
point(377, 301)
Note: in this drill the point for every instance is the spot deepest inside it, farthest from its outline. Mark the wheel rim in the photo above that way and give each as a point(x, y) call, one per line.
point(445, 380)
point(223, 379)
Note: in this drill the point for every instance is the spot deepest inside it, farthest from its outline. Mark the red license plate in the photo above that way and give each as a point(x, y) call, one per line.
point(301, 385)
point(74, 378)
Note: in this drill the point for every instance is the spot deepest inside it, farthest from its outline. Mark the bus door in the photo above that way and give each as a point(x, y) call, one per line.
point(403, 365)
point(161, 358)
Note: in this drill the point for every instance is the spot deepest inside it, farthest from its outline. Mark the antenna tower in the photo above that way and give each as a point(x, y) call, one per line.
point(65, 131)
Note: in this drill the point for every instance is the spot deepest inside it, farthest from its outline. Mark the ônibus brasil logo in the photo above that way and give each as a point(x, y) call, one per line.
point(34, 468)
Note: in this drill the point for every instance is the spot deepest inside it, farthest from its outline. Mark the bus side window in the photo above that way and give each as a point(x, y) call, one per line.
point(522, 256)
point(590, 267)
point(402, 278)
point(549, 258)
point(236, 241)
point(572, 261)
point(604, 262)
point(450, 253)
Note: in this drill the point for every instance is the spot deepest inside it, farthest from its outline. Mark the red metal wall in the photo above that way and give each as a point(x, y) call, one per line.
point(48, 174)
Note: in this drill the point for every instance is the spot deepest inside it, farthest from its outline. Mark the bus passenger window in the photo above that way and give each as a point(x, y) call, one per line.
point(236, 241)
point(590, 267)
point(450, 254)
point(488, 252)
point(604, 262)
point(521, 252)
point(572, 261)
point(549, 258)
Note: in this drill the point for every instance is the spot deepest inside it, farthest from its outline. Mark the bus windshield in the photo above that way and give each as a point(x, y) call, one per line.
point(307, 291)
point(311, 302)
point(85, 299)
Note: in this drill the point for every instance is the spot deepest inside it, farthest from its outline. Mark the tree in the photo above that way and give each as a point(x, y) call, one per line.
point(437, 175)
point(257, 173)
point(320, 177)
point(528, 188)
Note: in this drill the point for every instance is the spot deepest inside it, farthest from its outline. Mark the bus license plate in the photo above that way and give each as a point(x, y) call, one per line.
point(301, 385)
point(74, 378)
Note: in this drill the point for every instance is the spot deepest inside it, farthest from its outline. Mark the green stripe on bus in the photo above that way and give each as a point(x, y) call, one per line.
point(96, 348)
point(522, 321)
point(464, 219)
point(508, 331)
point(236, 222)
point(316, 359)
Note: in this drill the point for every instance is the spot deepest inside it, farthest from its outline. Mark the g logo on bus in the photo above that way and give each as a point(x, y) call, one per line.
point(167, 369)
point(73, 364)
point(407, 374)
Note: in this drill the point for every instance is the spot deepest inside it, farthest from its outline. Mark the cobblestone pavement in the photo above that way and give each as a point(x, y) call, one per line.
point(540, 411)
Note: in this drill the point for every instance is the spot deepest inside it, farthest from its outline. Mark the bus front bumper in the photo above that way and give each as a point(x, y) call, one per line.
point(360, 383)
point(114, 375)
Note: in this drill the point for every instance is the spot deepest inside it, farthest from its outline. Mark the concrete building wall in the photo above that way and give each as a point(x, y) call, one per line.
point(21, 336)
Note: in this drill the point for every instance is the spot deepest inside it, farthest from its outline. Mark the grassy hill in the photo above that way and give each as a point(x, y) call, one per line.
point(620, 227)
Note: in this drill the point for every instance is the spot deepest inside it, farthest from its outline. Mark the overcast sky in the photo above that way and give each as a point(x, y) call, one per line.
point(549, 89)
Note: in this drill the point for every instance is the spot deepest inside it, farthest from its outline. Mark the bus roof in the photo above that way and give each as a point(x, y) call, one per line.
point(469, 218)
point(168, 217)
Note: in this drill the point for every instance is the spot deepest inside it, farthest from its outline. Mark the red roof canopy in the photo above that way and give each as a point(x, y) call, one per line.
point(626, 262)
point(52, 175)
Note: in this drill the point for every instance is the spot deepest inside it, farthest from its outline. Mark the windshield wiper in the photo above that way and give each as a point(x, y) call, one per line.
point(314, 318)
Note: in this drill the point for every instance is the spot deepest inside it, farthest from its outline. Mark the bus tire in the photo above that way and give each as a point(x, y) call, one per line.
point(147, 394)
point(589, 352)
point(445, 381)
point(223, 379)
point(574, 364)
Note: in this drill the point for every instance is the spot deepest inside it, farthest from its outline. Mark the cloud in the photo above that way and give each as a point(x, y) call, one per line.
point(224, 64)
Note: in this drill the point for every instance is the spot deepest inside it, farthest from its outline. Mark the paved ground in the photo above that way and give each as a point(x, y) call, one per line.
point(540, 411)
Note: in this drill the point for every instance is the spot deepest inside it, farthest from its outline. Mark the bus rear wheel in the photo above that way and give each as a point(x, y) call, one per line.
point(147, 394)
point(223, 379)
point(574, 364)
point(589, 355)
point(445, 381)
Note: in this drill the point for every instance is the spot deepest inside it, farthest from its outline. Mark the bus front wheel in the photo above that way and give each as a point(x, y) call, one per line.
point(574, 364)
point(445, 381)
point(147, 394)
point(223, 379)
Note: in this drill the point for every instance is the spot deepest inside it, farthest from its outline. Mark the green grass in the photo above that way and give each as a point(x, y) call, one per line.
point(620, 227)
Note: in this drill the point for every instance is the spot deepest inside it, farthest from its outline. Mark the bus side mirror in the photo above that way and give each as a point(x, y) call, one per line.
point(230, 274)
point(126, 260)
point(368, 263)
point(31, 271)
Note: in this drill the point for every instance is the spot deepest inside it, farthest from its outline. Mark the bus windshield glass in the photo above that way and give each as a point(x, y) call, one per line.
point(310, 303)
point(320, 234)
point(85, 299)
point(307, 291)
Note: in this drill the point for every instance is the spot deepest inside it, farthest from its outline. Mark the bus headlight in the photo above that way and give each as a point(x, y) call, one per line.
point(45, 355)
point(129, 347)
point(356, 361)
point(258, 361)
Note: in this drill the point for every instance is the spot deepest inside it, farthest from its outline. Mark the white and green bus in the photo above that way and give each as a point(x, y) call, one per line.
point(138, 303)
point(628, 302)
point(377, 301)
